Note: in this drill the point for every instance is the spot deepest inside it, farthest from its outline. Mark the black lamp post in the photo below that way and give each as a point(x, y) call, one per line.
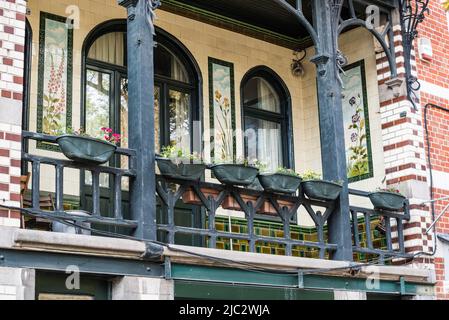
point(412, 14)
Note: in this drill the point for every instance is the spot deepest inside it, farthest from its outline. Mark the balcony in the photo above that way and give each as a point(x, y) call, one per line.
point(264, 222)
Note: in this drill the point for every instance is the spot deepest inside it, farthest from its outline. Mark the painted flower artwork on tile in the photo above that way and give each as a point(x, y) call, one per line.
point(54, 109)
point(222, 109)
point(356, 122)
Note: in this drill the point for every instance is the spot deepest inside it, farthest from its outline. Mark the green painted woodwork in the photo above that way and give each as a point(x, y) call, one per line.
point(97, 288)
point(275, 229)
point(215, 275)
point(214, 291)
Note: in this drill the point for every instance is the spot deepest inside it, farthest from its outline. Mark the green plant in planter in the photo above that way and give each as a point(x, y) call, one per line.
point(177, 163)
point(236, 172)
point(81, 147)
point(283, 180)
point(389, 199)
point(179, 155)
point(317, 189)
point(310, 175)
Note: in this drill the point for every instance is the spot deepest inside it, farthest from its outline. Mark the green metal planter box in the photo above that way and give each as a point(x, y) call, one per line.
point(385, 200)
point(321, 190)
point(188, 171)
point(279, 183)
point(234, 174)
point(86, 149)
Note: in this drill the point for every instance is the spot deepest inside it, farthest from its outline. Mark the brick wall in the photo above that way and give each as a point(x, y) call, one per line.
point(434, 78)
point(404, 153)
point(12, 46)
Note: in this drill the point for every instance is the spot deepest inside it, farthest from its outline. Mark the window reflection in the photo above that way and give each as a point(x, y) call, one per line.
point(179, 109)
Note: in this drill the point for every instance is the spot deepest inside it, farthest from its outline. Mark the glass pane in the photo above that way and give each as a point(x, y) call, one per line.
point(98, 86)
point(157, 123)
point(124, 163)
point(109, 48)
point(259, 94)
point(179, 110)
point(263, 142)
point(168, 65)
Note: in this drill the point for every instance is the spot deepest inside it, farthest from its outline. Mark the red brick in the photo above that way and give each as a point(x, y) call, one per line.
point(20, 16)
point(14, 197)
point(18, 80)
point(7, 61)
point(14, 180)
point(4, 153)
point(16, 163)
point(6, 94)
point(13, 137)
point(19, 48)
point(4, 187)
point(14, 215)
point(4, 170)
point(17, 96)
point(8, 29)
point(4, 213)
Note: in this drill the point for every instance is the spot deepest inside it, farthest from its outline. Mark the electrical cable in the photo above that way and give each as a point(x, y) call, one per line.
point(243, 266)
point(430, 166)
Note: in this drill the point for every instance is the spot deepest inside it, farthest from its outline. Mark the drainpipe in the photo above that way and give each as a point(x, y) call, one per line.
point(141, 113)
point(333, 154)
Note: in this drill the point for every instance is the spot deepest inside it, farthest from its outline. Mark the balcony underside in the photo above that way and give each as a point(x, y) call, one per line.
point(265, 19)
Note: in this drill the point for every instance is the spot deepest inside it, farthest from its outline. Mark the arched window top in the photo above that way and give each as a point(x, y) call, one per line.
point(107, 44)
point(167, 64)
point(267, 125)
point(109, 48)
point(259, 93)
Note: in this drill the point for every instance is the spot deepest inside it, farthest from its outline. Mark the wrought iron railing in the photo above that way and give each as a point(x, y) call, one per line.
point(254, 206)
point(35, 162)
point(391, 224)
point(250, 202)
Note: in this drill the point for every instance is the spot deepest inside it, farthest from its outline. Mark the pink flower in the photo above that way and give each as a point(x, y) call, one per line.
point(107, 138)
point(103, 129)
point(108, 130)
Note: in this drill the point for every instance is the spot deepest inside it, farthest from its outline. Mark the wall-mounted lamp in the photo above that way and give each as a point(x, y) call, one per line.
point(297, 66)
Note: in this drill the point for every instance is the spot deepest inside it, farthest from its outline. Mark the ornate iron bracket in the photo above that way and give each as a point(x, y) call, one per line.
point(412, 14)
point(385, 36)
point(150, 7)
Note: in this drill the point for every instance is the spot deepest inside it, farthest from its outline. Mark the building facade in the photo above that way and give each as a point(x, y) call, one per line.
point(227, 81)
point(432, 66)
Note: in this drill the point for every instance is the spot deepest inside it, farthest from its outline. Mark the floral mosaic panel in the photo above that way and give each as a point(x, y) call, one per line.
point(356, 122)
point(222, 110)
point(55, 74)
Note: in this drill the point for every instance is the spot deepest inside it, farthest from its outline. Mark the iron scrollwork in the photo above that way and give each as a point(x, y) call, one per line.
point(152, 5)
point(413, 12)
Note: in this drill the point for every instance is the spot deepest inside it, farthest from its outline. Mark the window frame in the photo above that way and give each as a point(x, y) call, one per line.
point(194, 87)
point(284, 117)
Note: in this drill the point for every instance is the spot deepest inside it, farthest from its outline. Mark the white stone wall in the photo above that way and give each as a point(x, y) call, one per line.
point(17, 284)
point(135, 288)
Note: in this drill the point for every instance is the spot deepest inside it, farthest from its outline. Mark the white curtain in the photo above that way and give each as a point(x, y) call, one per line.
point(269, 144)
point(109, 48)
point(180, 119)
point(264, 142)
point(268, 99)
point(178, 71)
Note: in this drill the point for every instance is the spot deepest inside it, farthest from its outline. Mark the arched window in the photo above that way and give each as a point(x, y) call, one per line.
point(265, 109)
point(106, 87)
